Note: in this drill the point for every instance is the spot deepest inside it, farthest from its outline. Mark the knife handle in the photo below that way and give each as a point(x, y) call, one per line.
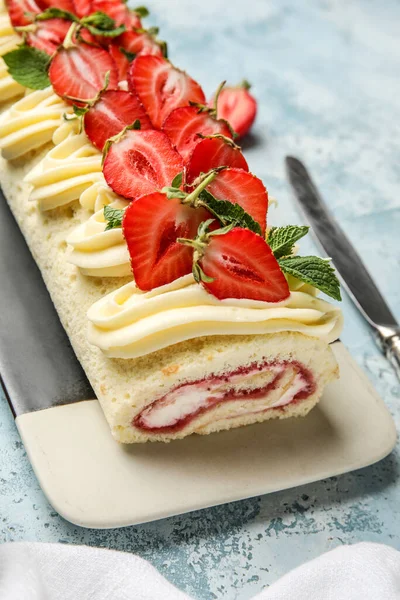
point(388, 340)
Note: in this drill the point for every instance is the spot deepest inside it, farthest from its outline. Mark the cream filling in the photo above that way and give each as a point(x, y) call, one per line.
point(128, 323)
point(298, 385)
point(30, 123)
point(97, 252)
point(189, 399)
point(67, 170)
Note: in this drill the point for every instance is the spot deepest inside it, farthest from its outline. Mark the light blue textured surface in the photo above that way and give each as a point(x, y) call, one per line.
point(326, 77)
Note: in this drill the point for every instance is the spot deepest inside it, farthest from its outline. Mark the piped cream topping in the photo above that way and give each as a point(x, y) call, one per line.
point(128, 323)
point(97, 252)
point(30, 123)
point(9, 40)
point(9, 88)
point(65, 172)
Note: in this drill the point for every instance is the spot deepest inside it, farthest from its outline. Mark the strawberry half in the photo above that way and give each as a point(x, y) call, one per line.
point(80, 71)
point(19, 11)
point(211, 153)
point(238, 107)
point(151, 226)
point(140, 163)
point(111, 114)
point(242, 265)
point(184, 124)
point(63, 4)
point(241, 187)
point(49, 35)
point(120, 60)
point(138, 43)
point(82, 8)
point(161, 87)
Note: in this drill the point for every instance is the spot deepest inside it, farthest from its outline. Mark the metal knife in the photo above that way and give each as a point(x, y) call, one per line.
point(354, 275)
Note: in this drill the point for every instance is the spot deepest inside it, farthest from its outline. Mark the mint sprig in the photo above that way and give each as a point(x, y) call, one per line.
point(313, 270)
point(281, 240)
point(229, 213)
point(113, 216)
point(29, 67)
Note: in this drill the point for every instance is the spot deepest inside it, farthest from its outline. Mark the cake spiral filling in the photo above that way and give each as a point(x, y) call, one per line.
point(246, 391)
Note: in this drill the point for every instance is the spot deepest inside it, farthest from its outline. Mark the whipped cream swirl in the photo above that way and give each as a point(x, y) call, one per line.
point(30, 123)
point(128, 323)
point(9, 40)
point(65, 172)
point(97, 252)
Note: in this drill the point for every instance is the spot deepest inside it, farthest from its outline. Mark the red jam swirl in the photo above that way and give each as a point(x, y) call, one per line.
point(140, 421)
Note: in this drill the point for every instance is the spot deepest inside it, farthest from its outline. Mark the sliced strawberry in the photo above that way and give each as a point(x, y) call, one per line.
point(117, 10)
point(243, 266)
point(114, 111)
point(120, 59)
point(184, 124)
point(140, 163)
point(82, 8)
point(241, 187)
point(161, 87)
point(137, 43)
point(140, 43)
point(151, 226)
point(238, 107)
point(63, 4)
point(49, 35)
point(211, 153)
point(19, 11)
point(80, 71)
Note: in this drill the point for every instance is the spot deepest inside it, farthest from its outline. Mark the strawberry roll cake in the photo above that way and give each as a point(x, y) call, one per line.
point(189, 313)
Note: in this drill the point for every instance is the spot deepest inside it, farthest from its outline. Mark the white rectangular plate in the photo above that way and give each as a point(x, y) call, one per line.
point(93, 481)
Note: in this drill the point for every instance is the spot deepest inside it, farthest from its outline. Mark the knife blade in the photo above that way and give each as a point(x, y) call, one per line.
point(353, 273)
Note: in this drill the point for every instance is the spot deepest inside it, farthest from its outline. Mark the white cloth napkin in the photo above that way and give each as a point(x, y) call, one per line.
point(59, 572)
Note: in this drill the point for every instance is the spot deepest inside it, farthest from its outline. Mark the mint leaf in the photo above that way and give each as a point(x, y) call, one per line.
point(316, 271)
point(141, 11)
point(56, 13)
point(113, 216)
point(29, 66)
point(229, 213)
point(282, 239)
point(177, 180)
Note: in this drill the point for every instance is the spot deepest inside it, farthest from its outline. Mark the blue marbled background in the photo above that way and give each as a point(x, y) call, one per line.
point(326, 74)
